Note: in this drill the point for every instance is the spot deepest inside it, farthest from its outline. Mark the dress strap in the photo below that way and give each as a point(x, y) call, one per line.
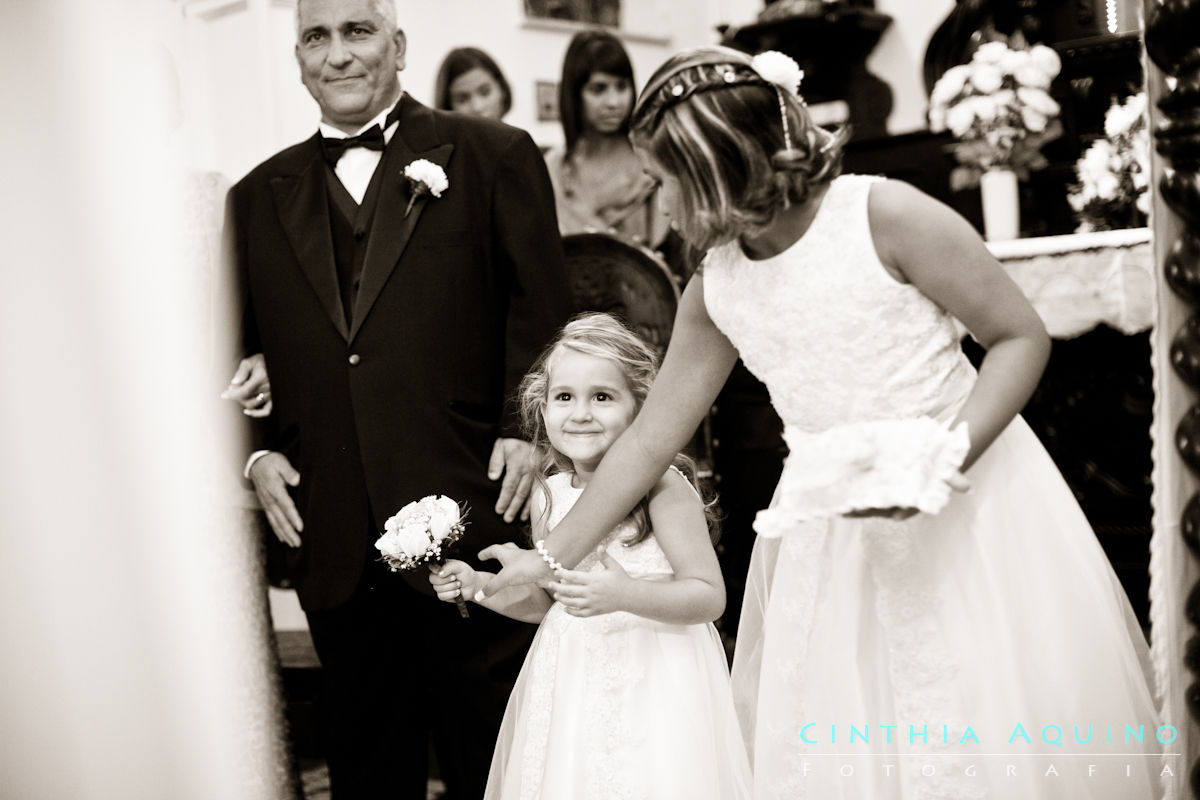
point(686, 480)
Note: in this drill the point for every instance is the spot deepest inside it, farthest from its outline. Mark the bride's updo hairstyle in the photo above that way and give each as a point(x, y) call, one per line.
point(743, 148)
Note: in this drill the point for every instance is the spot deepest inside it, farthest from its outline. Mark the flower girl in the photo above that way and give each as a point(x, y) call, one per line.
point(625, 692)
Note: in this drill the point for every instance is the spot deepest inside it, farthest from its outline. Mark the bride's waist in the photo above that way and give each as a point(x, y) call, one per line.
point(872, 404)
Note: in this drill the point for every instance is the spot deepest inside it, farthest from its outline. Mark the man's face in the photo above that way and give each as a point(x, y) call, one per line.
point(348, 60)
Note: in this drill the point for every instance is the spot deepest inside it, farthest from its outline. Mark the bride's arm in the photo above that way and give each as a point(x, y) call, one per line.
point(697, 363)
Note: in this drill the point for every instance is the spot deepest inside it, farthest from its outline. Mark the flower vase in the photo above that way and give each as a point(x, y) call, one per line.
point(1001, 205)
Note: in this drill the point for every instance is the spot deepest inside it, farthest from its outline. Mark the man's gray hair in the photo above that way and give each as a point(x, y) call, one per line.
point(386, 9)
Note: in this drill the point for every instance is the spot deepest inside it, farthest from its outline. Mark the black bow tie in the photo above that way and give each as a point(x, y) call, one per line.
point(372, 139)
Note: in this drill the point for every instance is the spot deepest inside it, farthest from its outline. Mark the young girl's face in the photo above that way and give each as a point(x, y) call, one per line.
point(477, 93)
point(588, 405)
point(669, 199)
point(607, 101)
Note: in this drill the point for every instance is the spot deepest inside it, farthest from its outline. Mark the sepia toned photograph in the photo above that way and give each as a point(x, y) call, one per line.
point(599, 400)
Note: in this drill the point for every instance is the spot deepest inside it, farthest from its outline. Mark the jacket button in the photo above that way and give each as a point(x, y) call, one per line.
point(354, 359)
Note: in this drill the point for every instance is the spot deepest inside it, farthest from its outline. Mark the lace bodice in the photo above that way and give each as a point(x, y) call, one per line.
point(639, 560)
point(835, 338)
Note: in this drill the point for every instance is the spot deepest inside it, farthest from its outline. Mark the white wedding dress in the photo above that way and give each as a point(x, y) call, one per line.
point(1000, 611)
point(617, 706)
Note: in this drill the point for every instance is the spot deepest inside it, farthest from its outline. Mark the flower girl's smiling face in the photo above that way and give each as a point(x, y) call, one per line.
point(588, 405)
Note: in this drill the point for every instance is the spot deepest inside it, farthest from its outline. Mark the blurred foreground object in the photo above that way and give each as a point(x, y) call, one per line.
point(129, 668)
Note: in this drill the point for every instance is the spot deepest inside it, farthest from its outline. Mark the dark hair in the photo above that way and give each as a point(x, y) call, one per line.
point(588, 52)
point(461, 60)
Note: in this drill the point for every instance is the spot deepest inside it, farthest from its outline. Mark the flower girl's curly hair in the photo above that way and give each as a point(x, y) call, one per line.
point(603, 336)
point(710, 120)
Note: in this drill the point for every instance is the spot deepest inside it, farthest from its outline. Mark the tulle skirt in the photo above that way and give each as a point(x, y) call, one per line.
point(988, 651)
point(618, 706)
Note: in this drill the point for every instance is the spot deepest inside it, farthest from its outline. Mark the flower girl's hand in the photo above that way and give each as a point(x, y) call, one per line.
point(589, 594)
point(455, 577)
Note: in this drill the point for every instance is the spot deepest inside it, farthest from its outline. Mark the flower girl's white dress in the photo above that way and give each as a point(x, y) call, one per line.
point(619, 706)
point(978, 626)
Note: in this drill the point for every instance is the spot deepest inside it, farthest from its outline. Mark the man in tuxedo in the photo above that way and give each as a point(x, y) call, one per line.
point(396, 324)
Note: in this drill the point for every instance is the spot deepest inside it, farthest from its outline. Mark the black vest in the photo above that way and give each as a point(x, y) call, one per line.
point(350, 224)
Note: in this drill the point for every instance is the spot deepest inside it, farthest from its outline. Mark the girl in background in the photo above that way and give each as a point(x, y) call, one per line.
point(598, 182)
point(469, 81)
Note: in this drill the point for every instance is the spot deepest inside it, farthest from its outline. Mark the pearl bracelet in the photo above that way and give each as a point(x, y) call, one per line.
point(540, 546)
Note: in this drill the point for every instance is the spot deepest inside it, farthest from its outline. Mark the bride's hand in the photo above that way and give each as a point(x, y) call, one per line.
point(518, 567)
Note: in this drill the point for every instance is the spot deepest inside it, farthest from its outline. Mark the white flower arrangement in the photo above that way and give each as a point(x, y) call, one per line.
point(999, 109)
point(1114, 172)
point(424, 177)
point(416, 534)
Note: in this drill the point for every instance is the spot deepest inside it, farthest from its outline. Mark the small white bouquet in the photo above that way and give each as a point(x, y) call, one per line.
point(1114, 172)
point(999, 108)
point(416, 535)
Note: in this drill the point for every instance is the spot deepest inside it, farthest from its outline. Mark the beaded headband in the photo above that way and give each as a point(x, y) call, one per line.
point(715, 67)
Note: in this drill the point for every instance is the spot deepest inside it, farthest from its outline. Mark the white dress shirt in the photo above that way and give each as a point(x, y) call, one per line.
point(356, 166)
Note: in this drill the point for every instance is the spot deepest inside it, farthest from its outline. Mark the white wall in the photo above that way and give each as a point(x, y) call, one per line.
point(244, 99)
point(900, 55)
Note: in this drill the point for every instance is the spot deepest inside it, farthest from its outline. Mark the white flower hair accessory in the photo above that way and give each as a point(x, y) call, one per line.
point(782, 72)
point(779, 69)
point(424, 177)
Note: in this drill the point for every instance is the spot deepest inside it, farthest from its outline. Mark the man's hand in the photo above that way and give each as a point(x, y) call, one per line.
point(512, 458)
point(250, 387)
point(272, 474)
point(518, 567)
point(589, 594)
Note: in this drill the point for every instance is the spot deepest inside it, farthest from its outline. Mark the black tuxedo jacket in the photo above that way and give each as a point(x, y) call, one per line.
point(456, 301)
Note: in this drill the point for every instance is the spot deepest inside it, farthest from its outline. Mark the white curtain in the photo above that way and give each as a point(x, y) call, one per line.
point(131, 664)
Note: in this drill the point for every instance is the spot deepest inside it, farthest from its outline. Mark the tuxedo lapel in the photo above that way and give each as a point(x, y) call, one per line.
point(303, 206)
point(391, 227)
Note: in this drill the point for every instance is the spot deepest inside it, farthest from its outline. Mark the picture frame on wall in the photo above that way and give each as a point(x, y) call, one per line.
point(546, 93)
point(595, 12)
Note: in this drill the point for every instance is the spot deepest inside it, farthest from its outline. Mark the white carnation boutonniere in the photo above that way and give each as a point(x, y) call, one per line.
point(424, 177)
